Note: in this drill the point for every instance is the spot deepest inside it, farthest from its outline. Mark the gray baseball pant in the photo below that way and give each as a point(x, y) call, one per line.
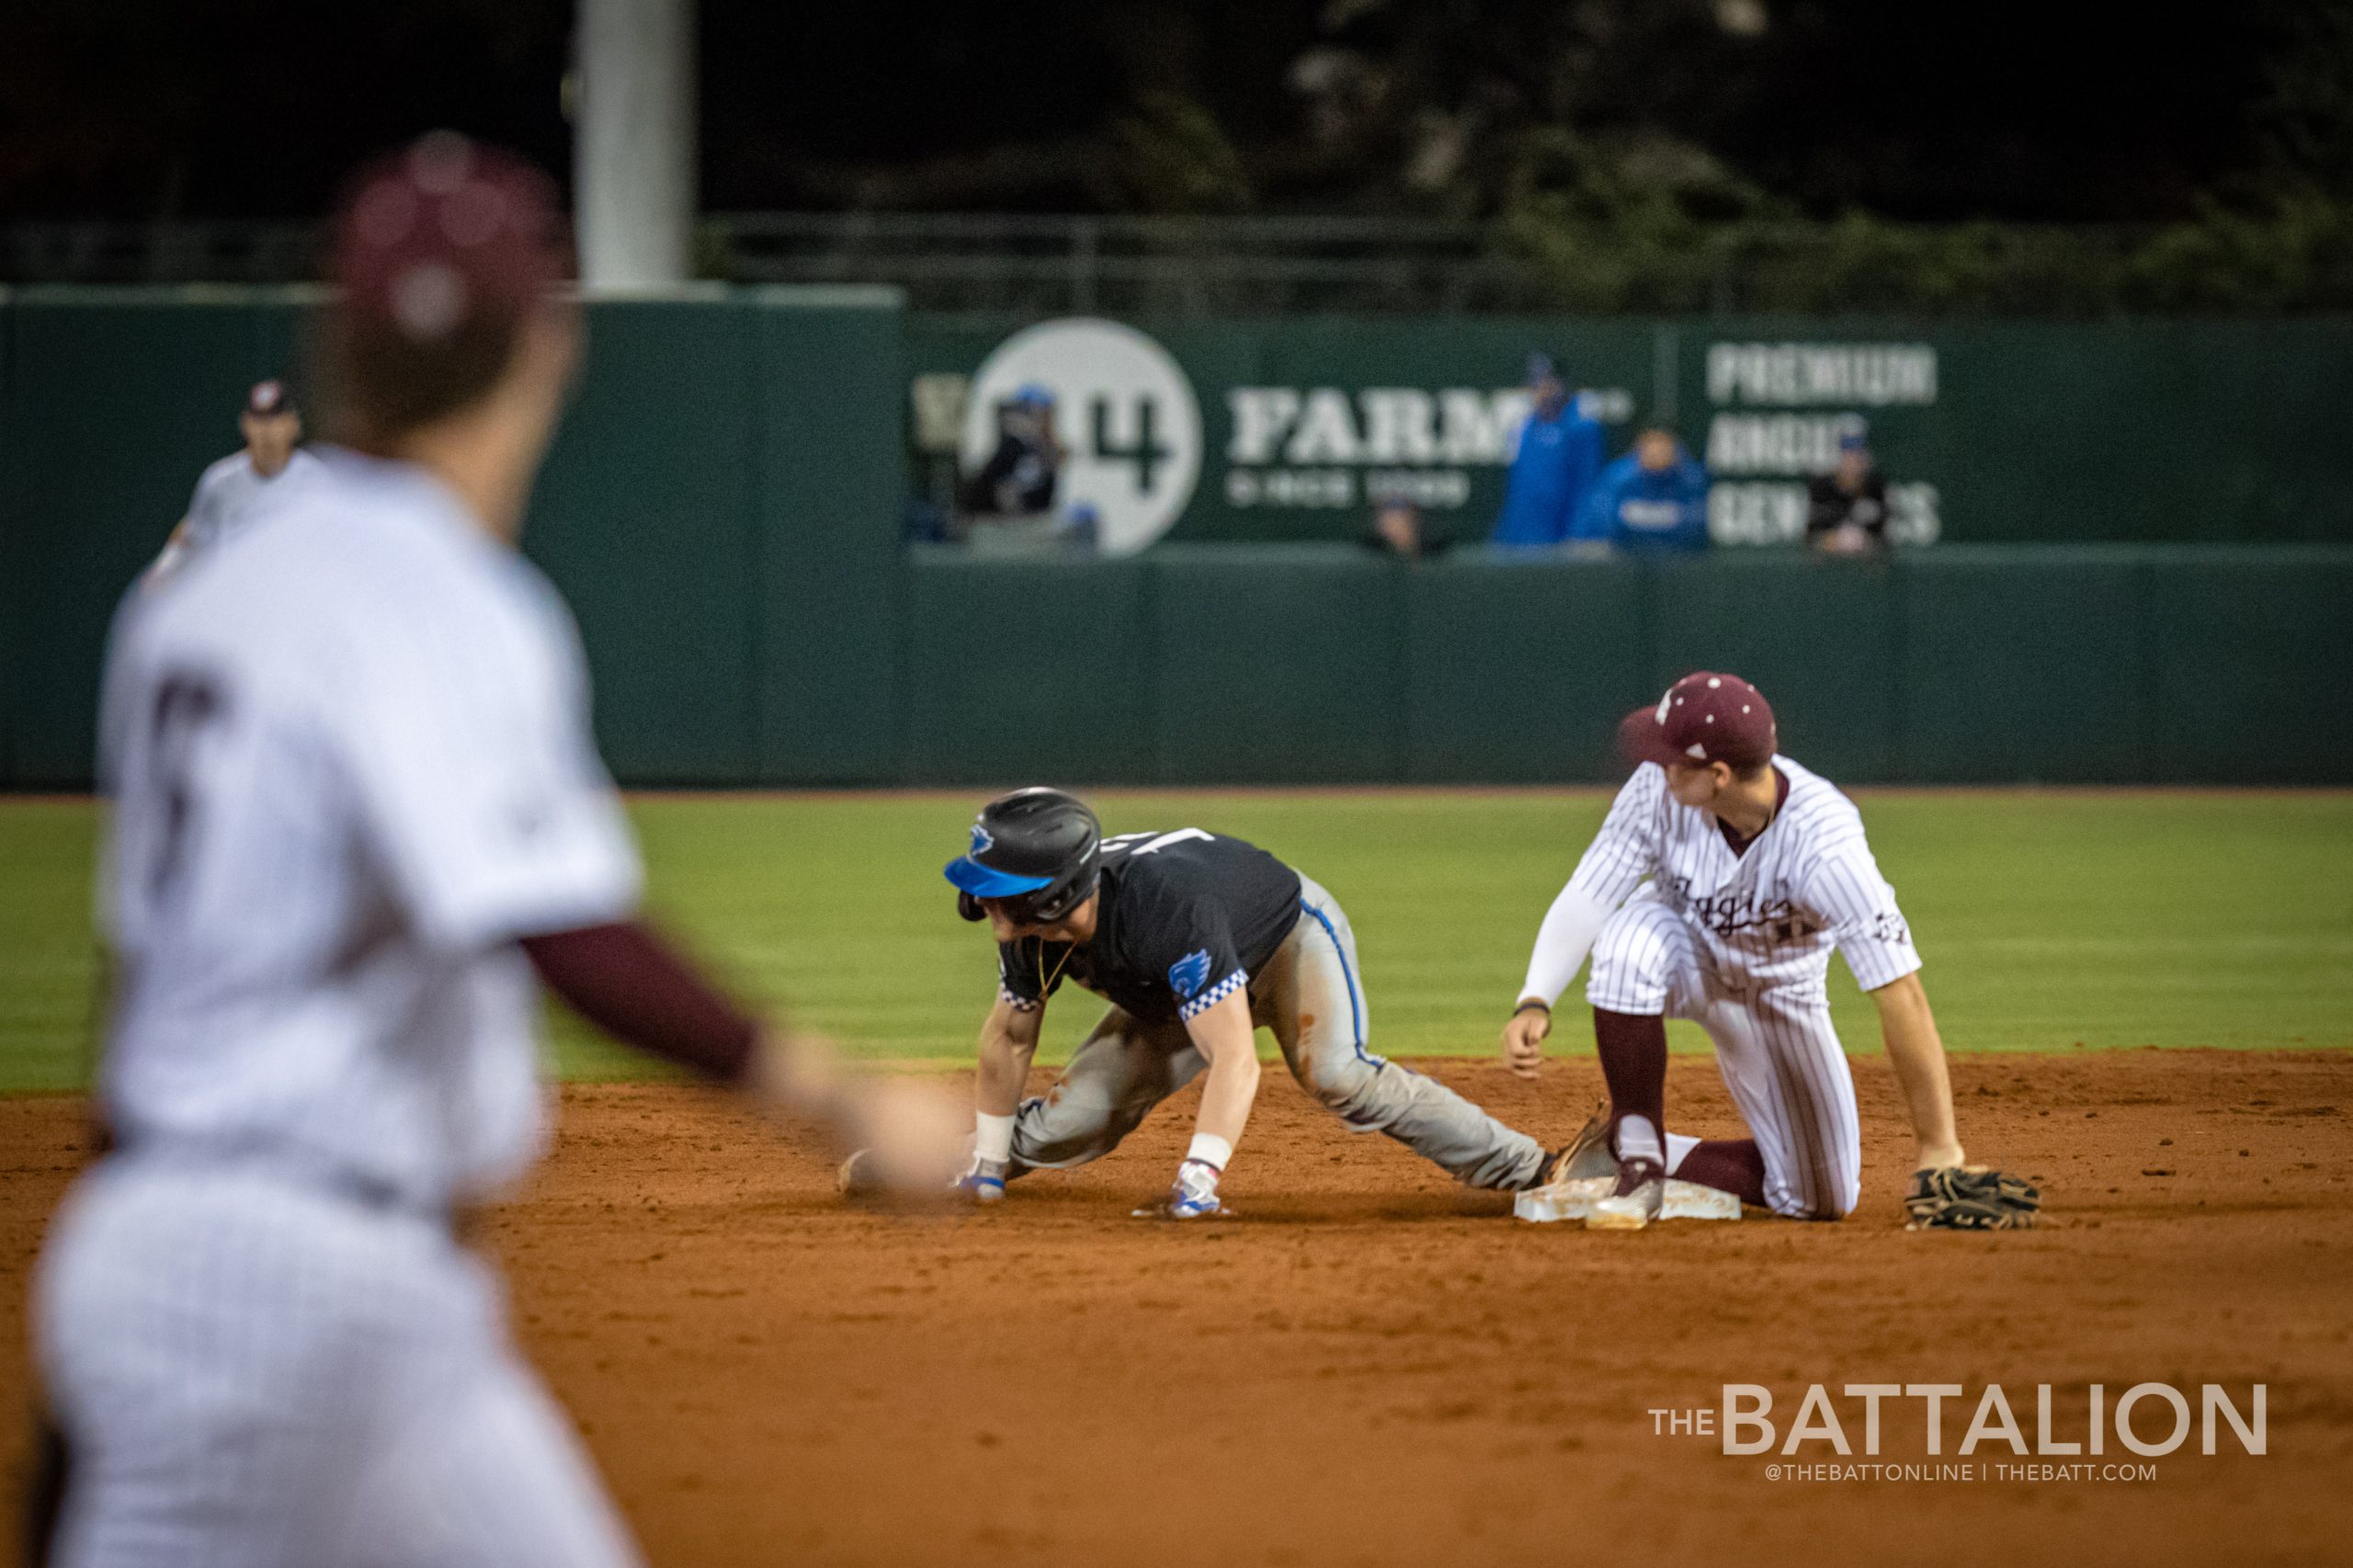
point(1310, 995)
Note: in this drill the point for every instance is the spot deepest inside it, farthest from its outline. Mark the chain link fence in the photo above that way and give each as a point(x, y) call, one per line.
point(1210, 266)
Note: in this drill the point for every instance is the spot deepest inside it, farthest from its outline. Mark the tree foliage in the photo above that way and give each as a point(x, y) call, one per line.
point(1637, 155)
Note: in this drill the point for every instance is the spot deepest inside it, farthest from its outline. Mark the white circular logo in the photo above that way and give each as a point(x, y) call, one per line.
point(1123, 411)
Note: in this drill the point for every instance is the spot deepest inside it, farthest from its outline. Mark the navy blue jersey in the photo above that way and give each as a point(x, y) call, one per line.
point(1186, 919)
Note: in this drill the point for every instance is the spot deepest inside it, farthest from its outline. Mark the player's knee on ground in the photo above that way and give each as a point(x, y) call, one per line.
point(1633, 960)
point(1841, 1203)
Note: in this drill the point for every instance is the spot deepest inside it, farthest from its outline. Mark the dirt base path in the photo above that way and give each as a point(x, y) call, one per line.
point(1375, 1367)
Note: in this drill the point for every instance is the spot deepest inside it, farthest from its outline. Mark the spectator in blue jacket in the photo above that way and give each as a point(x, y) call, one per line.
point(1655, 497)
point(1555, 453)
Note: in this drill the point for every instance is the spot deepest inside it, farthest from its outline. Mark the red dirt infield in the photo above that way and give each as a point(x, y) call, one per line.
point(1372, 1366)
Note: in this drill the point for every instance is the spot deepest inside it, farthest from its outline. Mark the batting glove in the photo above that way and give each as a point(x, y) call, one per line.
point(1194, 1197)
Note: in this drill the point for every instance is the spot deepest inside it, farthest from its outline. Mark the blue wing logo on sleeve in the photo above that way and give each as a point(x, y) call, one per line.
point(1189, 973)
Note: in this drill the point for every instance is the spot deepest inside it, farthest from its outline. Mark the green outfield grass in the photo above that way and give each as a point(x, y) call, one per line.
point(2049, 920)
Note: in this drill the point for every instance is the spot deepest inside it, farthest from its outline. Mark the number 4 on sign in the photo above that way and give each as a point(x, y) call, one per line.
point(1147, 453)
point(1126, 842)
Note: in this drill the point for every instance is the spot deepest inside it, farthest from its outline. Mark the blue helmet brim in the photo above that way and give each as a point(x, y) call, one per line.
point(987, 881)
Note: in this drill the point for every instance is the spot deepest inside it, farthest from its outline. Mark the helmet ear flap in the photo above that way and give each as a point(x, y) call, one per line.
point(969, 907)
point(1055, 902)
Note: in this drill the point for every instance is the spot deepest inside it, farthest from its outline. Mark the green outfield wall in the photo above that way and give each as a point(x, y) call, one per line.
point(1962, 664)
point(721, 509)
point(1999, 432)
point(723, 512)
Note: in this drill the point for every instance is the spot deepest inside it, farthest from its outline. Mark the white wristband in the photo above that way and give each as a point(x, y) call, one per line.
point(991, 1136)
point(1212, 1151)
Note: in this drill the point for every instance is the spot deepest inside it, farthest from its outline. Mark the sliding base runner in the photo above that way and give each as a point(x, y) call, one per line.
point(1196, 940)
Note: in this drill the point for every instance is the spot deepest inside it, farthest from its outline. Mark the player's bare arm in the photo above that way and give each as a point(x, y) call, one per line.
point(1917, 1054)
point(1008, 1043)
point(1224, 1035)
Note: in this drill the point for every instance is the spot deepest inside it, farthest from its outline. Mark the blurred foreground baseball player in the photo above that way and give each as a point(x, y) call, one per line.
point(1196, 940)
point(1720, 884)
point(226, 493)
point(356, 806)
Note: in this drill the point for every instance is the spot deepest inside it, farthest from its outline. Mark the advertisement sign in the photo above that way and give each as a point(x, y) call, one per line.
point(1992, 432)
point(1277, 430)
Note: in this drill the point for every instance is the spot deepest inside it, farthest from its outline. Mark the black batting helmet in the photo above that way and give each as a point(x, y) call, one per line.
point(1040, 849)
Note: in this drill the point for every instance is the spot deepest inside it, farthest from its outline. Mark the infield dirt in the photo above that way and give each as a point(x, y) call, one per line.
point(1373, 1366)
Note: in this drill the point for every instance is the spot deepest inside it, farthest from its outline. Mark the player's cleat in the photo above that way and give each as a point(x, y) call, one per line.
point(1180, 1206)
point(1639, 1194)
point(1583, 1157)
point(984, 1183)
point(1194, 1196)
point(855, 1178)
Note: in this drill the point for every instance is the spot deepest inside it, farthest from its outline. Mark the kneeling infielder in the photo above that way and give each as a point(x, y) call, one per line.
point(1196, 940)
point(1719, 884)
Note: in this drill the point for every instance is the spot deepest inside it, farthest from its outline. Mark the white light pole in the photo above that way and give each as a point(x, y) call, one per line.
point(634, 143)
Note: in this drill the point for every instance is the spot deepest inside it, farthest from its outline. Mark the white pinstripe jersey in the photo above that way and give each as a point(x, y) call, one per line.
point(350, 760)
point(230, 492)
point(1807, 884)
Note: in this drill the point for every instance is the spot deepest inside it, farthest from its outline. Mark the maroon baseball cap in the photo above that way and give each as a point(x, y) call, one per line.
point(446, 234)
point(1704, 717)
point(269, 397)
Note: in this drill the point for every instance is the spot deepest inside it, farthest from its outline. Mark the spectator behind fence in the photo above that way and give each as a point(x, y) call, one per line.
point(1654, 498)
point(1555, 453)
point(1397, 531)
point(1846, 508)
point(1020, 477)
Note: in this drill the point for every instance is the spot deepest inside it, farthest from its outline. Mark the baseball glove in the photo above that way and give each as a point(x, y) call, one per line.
point(1960, 1198)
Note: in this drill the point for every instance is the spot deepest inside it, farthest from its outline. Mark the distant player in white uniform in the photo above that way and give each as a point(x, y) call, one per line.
point(1719, 885)
point(270, 464)
point(357, 805)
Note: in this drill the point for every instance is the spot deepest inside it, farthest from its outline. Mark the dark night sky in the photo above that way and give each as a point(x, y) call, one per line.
point(1916, 109)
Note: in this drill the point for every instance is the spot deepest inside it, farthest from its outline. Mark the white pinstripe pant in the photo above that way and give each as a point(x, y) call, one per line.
point(252, 1373)
point(1775, 1047)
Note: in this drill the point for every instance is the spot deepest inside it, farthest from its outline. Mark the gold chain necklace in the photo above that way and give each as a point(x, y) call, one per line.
point(1046, 983)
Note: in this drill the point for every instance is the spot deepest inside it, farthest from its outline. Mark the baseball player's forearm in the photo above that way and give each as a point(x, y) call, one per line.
point(1222, 1034)
point(1008, 1041)
point(1917, 1054)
